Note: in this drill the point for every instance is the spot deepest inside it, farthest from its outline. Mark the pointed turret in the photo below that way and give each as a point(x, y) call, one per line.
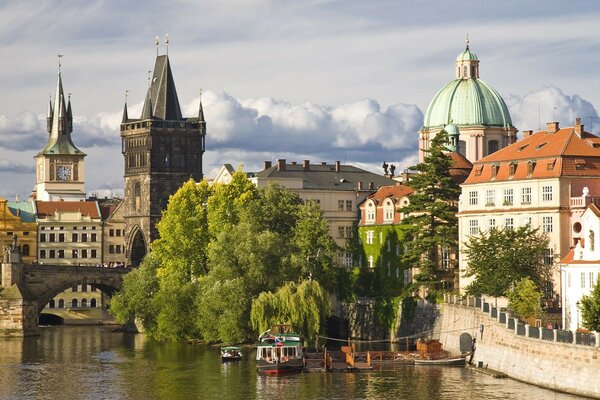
point(201, 110)
point(147, 110)
point(49, 117)
point(163, 95)
point(125, 115)
point(69, 116)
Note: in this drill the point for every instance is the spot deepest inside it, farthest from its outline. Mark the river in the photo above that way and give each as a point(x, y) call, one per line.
point(92, 362)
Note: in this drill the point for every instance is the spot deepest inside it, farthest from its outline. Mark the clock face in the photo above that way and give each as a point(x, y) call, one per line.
point(63, 172)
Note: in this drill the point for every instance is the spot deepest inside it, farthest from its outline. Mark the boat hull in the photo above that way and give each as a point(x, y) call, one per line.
point(292, 366)
point(458, 362)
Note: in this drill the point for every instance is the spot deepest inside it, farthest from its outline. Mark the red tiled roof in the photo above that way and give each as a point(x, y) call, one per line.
point(87, 208)
point(397, 191)
point(562, 153)
point(461, 168)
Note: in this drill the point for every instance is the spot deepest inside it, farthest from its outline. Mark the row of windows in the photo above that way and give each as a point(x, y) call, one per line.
point(509, 223)
point(62, 228)
point(346, 203)
point(345, 232)
point(116, 249)
point(83, 288)
point(74, 303)
point(79, 253)
point(116, 232)
point(75, 237)
point(586, 280)
point(12, 233)
point(508, 196)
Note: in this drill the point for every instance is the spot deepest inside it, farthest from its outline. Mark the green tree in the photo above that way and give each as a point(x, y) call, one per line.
point(431, 222)
point(524, 298)
point(590, 309)
point(304, 305)
point(499, 258)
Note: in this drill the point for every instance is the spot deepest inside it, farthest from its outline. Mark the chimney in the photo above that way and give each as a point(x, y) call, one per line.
point(281, 164)
point(267, 164)
point(306, 165)
point(527, 133)
point(337, 166)
point(578, 127)
point(360, 185)
point(371, 186)
point(551, 127)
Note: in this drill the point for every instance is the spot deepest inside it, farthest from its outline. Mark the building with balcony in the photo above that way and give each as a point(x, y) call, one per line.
point(545, 180)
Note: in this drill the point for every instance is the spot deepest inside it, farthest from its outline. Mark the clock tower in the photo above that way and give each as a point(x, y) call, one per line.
point(59, 166)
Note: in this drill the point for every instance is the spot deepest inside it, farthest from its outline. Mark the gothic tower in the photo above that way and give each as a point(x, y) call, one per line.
point(162, 150)
point(59, 166)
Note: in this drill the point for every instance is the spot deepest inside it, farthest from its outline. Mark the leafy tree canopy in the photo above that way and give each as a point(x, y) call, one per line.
point(590, 309)
point(524, 298)
point(500, 257)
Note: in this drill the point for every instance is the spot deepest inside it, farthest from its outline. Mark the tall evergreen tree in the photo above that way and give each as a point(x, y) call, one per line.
point(431, 218)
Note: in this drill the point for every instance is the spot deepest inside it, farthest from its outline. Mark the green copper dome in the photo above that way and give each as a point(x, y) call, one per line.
point(467, 102)
point(467, 55)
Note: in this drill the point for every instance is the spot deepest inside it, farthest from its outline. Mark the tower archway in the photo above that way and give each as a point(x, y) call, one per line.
point(137, 247)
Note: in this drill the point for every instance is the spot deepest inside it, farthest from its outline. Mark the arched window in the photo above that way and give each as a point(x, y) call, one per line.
point(370, 211)
point(512, 167)
point(530, 167)
point(465, 71)
point(388, 210)
point(473, 71)
point(137, 196)
point(52, 304)
point(25, 250)
point(494, 170)
point(93, 303)
point(61, 303)
point(76, 172)
point(83, 303)
point(74, 303)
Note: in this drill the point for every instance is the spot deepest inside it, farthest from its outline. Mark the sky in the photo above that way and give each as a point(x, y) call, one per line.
point(322, 80)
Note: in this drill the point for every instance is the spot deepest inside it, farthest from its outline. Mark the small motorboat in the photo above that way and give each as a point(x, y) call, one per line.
point(231, 353)
point(456, 361)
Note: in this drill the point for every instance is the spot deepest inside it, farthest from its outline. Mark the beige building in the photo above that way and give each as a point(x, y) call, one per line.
point(337, 188)
point(113, 231)
point(542, 180)
point(17, 221)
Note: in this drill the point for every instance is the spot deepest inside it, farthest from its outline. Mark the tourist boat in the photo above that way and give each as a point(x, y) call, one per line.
point(457, 361)
point(231, 353)
point(279, 351)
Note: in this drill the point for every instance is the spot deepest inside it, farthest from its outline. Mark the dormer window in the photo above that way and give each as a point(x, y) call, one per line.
point(512, 167)
point(370, 209)
point(494, 170)
point(539, 146)
point(579, 164)
point(530, 167)
point(388, 211)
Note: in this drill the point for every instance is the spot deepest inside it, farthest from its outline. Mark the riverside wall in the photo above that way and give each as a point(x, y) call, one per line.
point(533, 355)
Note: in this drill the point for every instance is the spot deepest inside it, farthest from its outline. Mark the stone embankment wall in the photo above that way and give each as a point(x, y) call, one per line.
point(525, 353)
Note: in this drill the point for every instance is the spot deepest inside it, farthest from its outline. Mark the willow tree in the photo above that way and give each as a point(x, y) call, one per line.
point(303, 305)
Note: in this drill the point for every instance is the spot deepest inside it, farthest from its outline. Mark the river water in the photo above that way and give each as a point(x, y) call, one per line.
point(93, 362)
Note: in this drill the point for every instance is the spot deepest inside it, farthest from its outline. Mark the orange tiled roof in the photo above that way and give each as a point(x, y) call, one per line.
point(87, 208)
point(461, 168)
point(562, 153)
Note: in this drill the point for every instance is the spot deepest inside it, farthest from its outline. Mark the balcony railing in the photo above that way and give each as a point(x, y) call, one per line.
point(582, 202)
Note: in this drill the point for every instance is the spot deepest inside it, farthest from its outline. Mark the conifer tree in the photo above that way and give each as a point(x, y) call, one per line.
point(431, 218)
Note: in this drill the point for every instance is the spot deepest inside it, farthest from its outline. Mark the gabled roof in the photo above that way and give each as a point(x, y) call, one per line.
point(48, 208)
point(325, 176)
point(461, 168)
point(564, 152)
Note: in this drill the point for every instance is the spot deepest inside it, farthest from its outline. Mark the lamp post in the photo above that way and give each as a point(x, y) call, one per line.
point(578, 305)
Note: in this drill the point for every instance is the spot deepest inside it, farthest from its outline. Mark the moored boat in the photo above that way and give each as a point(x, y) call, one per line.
point(279, 351)
point(457, 361)
point(231, 353)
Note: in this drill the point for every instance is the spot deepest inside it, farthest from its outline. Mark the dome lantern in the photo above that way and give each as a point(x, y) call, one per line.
point(467, 64)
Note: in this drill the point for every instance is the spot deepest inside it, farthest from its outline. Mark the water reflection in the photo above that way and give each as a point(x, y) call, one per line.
point(95, 363)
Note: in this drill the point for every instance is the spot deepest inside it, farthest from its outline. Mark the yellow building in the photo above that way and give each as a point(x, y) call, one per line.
point(17, 219)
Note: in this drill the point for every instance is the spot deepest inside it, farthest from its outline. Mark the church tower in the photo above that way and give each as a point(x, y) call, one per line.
point(59, 166)
point(162, 150)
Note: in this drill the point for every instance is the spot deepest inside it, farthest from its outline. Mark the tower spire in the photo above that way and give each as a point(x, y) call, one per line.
point(200, 109)
point(467, 42)
point(125, 115)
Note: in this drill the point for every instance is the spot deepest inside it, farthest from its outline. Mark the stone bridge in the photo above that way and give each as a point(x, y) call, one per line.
point(26, 289)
